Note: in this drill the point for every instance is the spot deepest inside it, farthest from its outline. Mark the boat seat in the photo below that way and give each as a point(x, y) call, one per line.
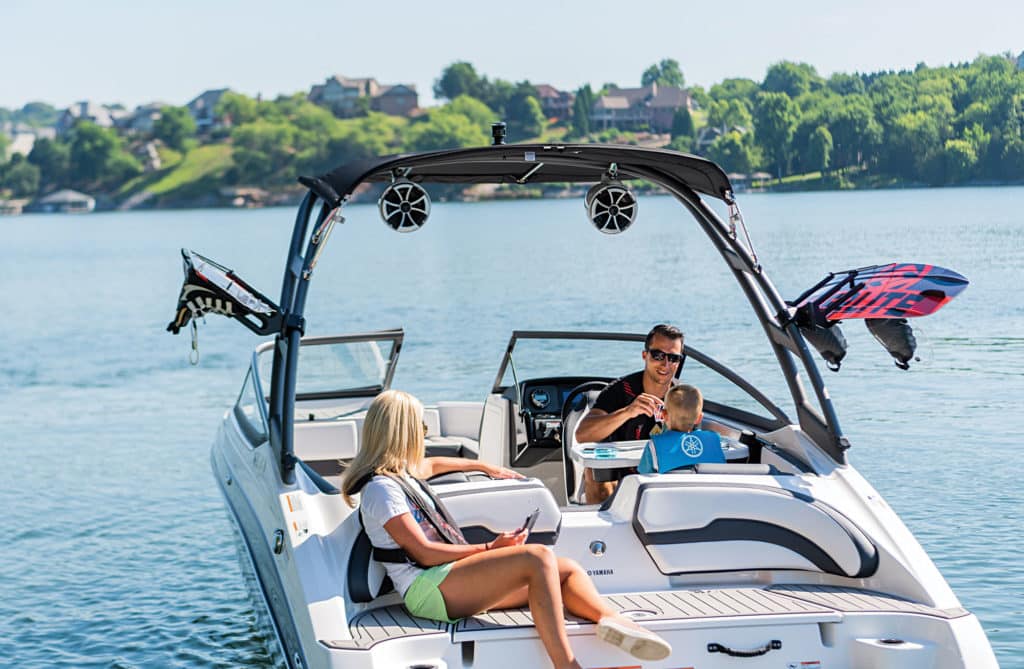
point(688, 525)
point(573, 471)
point(366, 578)
point(324, 444)
point(483, 508)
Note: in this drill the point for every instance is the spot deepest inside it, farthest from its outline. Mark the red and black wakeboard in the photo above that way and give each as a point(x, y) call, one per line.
point(896, 290)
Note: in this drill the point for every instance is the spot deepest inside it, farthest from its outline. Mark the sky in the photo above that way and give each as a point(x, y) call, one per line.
point(140, 51)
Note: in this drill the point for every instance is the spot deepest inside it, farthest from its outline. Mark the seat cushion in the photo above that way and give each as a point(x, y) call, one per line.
point(690, 526)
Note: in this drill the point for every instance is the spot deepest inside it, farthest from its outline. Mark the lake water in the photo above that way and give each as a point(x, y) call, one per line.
point(117, 550)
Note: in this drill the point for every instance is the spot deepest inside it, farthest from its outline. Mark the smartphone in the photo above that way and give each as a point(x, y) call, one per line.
point(530, 521)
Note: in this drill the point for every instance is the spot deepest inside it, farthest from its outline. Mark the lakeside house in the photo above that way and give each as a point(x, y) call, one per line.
point(555, 103)
point(64, 201)
point(652, 107)
point(342, 96)
point(142, 119)
point(12, 207)
point(22, 137)
point(104, 116)
point(707, 135)
point(203, 106)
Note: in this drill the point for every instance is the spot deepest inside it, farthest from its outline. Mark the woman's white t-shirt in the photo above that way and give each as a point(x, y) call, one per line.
point(381, 500)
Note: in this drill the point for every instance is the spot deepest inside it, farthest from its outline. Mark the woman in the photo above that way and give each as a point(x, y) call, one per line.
point(446, 581)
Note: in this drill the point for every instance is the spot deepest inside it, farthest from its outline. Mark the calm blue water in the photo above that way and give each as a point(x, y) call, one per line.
point(117, 551)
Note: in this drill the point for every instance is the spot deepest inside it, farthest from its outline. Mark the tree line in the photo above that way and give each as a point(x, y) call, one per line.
point(932, 125)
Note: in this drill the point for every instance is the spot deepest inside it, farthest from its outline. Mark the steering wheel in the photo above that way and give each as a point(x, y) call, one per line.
point(570, 399)
point(567, 408)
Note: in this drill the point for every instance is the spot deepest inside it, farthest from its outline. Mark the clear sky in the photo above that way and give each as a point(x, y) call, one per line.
point(138, 51)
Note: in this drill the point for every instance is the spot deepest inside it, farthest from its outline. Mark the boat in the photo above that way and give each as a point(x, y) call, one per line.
point(783, 556)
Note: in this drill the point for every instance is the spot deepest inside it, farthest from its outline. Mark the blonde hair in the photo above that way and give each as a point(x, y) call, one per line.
point(683, 406)
point(392, 440)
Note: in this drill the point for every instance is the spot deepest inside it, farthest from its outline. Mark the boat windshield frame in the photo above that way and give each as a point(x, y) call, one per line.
point(682, 176)
point(689, 352)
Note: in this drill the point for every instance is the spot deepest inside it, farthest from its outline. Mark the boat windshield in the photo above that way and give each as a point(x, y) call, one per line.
point(537, 357)
point(547, 358)
point(333, 367)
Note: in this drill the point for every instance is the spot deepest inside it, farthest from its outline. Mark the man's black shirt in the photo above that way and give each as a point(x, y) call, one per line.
point(618, 394)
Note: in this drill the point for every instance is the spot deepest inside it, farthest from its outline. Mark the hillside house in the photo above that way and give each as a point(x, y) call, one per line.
point(342, 96)
point(142, 119)
point(555, 103)
point(101, 115)
point(648, 107)
point(203, 107)
point(397, 100)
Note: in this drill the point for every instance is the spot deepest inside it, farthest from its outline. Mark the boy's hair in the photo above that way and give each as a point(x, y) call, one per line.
point(683, 404)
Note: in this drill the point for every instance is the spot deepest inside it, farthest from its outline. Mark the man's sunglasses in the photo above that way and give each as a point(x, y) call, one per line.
point(658, 355)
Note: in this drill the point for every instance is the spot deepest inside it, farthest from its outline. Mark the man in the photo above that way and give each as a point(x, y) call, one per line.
point(626, 409)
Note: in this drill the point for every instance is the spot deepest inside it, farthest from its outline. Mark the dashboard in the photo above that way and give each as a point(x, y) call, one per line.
point(543, 401)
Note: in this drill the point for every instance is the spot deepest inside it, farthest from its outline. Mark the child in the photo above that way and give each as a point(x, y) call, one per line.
point(682, 444)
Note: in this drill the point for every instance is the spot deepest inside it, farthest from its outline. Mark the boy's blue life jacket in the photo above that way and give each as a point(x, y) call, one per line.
point(673, 450)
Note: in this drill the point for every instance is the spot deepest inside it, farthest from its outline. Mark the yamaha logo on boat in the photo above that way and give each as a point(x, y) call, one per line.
point(600, 572)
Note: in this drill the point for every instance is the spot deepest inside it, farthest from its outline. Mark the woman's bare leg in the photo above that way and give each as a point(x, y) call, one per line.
point(578, 592)
point(497, 578)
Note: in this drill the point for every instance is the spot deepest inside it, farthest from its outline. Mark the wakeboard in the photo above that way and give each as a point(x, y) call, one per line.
point(896, 290)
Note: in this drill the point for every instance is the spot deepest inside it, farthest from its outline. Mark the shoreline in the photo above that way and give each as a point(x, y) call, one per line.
point(292, 197)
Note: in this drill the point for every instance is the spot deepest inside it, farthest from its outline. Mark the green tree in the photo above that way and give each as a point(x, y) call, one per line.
point(175, 127)
point(793, 79)
point(4, 143)
point(97, 159)
point(53, 158)
point(682, 144)
point(20, 177)
point(314, 119)
point(444, 131)
point(531, 119)
point(682, 123)
point(856, 133)
point(820, 149)
point(727, 114)
point(700, 96)
point(731, 89)
point(37, 115)
point(581, 107)
point(237, 108)
point(775, 119)
point(373, 135)
point(846, 84)
point(959, 160)
point(664, 73)
point(913, 140)
point(457, 79)
point(734, 152)
point(522, 111)
point(263, 152)
point(473, 109)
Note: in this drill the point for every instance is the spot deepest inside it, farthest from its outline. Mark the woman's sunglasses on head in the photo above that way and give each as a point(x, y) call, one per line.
point(658, 355)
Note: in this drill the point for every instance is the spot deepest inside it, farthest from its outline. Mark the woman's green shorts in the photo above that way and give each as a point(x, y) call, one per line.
point(423, 598)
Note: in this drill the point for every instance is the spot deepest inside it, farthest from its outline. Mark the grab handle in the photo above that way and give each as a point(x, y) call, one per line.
point(774, 644)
